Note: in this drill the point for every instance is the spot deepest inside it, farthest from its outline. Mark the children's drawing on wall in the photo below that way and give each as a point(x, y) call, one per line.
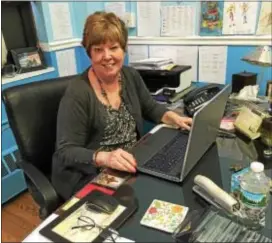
point(265, 19)
point(239, 18)
point(230, 12)
point(244, 7)
point(211, 18)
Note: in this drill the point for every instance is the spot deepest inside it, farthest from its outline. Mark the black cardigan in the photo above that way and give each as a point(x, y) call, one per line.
point(80, 126)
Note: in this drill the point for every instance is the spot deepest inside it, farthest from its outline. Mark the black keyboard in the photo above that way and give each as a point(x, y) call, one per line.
point(171, 154)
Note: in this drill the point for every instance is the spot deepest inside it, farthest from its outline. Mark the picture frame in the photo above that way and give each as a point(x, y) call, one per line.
point(59, 230)
point(28, 59)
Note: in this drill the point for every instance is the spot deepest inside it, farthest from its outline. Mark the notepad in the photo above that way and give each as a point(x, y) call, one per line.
point(164, 216)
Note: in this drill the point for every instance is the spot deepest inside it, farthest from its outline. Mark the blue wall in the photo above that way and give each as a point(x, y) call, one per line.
point(80, 10)
point(236, 65)
point(40, 21)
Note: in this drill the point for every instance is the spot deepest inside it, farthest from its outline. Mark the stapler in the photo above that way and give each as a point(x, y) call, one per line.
point(213, 194)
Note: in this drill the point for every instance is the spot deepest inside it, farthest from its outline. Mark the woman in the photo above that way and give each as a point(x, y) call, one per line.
point(101, 114)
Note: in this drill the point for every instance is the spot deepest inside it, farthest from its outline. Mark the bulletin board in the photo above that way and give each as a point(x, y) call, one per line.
point(202, 18)
point(210, 36)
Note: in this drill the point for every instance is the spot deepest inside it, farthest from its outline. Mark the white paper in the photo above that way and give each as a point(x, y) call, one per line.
point(35, 236)
point(148, 18)
point(239, 18)
point(178, 20)
point(137, 52)
point(187, 55)
point(66, 62)
point(119, 8)
point(265, 19)
point(118, 239)
point(212, 64)
point(162, 51)
point(181, 55)
point(79, 235)
point(60, 20)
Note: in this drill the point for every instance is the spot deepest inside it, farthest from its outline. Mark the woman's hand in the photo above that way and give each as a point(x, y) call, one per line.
point(118, 159)
point(172, 118)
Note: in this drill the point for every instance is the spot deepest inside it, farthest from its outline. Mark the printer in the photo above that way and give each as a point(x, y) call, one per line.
point(175, 80)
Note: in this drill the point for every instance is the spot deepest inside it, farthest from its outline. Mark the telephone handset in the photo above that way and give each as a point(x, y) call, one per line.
point(198, 97)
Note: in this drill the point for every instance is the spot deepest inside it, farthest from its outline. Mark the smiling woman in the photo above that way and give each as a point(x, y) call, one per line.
point(101, 114)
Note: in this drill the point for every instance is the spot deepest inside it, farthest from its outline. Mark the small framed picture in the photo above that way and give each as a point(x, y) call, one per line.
point(28, 59)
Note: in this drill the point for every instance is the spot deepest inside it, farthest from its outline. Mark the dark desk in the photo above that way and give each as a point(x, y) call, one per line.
point(214, 164)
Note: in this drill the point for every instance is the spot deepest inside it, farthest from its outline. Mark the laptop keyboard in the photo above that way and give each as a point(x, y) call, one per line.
point(171, 154)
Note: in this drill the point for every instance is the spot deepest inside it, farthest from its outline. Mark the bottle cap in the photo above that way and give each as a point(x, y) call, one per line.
point(256, 167)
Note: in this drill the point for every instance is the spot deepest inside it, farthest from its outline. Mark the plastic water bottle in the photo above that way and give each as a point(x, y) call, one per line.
point(254, 196)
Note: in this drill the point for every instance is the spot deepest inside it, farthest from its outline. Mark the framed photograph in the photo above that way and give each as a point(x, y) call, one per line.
point(28, 59)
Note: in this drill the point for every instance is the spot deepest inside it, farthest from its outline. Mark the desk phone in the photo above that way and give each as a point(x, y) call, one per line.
point(198, 97)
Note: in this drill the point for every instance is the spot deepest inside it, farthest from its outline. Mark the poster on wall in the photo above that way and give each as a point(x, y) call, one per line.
point(239, 18)
point(119, 8)
point(212, 64)
point(137, 52)
point(148, 16)
point(60, 20)
point(265, 19)
point(211, 18)
point(66, 62)
point(178, 20)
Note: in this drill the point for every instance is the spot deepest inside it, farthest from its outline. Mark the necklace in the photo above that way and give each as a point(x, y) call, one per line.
point(103, 91)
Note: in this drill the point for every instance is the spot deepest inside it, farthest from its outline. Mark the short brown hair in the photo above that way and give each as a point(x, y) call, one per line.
point(101, 27)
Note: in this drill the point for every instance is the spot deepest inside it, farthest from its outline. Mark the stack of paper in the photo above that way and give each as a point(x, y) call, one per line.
point(153, 63)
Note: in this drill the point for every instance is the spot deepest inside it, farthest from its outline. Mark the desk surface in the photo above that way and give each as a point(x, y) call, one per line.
point(214, 164)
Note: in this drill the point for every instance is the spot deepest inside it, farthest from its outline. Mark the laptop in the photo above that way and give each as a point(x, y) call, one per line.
point(172, 153)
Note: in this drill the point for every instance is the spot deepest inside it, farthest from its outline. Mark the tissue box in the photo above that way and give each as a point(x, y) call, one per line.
point(235, 179)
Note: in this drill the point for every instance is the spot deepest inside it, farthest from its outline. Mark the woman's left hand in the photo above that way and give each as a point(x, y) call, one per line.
point(172, 118)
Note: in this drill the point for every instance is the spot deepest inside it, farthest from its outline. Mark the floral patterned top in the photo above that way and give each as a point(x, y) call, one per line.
point(120, 131)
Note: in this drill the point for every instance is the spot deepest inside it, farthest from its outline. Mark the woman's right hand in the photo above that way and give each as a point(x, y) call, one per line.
point(118, 159)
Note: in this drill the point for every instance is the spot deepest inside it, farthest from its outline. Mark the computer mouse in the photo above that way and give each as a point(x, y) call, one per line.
point(103, 204)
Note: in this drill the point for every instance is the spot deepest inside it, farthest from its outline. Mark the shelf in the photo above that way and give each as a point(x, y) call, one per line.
point(203, 40)
point(21, 76)
point(242, 40)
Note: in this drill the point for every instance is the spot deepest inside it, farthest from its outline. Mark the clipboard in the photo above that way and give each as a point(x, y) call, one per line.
point(60, 230)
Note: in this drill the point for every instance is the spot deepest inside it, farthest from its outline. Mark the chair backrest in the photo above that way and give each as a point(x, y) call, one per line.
point(32, 113)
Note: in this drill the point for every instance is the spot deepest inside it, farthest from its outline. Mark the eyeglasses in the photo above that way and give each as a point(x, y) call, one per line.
point(87, 223)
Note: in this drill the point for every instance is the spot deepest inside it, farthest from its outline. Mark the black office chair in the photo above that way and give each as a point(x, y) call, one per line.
point(32, 113)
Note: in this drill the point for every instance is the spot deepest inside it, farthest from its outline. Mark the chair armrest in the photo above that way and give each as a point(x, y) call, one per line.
point(49, 198)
